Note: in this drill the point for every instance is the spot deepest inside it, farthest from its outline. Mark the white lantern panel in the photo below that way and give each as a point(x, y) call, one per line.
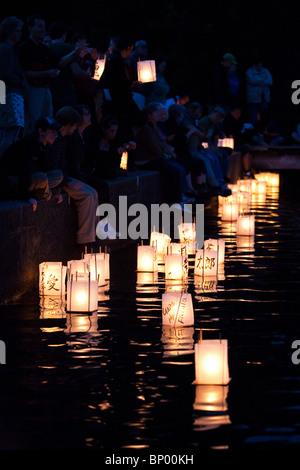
point(82, 295)
point(52, 278)
point(147, 259)
point(245, 225)
point(176, 266)
point(211, 362)
point(146, 70)
point(230, 211)
point(187, 232)
point(206, 263)
point(177, 309)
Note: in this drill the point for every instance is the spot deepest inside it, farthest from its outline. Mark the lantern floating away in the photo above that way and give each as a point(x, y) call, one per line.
point(161, 241)
point(246, 225)
point(96, 266)
point(187, 232)
point(216, 245)
point(176, 266)
point(211, 362)
point(82, 294)
point(124, 161)
point(177, 309)
point(146, 71)
point(147, 258)
point(230, 211)
point(52, 278)
point(99, 68)
point(206, 263)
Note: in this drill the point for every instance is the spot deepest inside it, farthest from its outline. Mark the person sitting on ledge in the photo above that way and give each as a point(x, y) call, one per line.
point(23, 166)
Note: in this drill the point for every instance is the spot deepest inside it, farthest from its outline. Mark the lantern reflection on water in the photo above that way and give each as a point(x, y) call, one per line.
point(177, 309)
point(52, 306)
point(87, 323)
point(52, 278)
point(211, 401)
point(216, 245)
point(177, 341)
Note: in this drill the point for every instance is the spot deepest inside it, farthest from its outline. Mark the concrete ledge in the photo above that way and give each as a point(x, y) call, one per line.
point(28, 238)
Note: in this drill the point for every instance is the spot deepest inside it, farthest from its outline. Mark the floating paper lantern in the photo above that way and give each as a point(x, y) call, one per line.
point(261, 187)
point(176, 266)
point(230, 211)
point(99, 68)
point(211, 362)
point(147, 258)
point(96, 267)
point(177, 309)
point(52, 278)
point(177, 249)
point(106, 257)
point(146, 71)
point(226, 142)
point(245, 225)
point(206, 263)
point(274, 180)
point(216, 245)
point(243, 198)
point(82, 294)
point(78, 267)
point(227, 199)
point(161, 241)
point(234, 188)
point(124, 161)
point(187, 232)
point(245, 185)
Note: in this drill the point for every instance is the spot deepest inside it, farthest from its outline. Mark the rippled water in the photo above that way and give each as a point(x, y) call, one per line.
point(118, 379)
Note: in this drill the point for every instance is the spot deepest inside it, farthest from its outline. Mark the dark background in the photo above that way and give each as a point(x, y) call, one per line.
point(192, 36)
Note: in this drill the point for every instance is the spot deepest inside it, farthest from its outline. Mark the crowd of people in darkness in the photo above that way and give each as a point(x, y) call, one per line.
point(63, 129)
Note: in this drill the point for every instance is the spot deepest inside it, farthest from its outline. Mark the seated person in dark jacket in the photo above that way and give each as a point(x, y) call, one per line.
point(23, 168)
point(103, 150)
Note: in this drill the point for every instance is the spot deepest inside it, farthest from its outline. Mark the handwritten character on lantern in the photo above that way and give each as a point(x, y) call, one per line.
point(209, 263)
point(43, 280)
point(51, 282)
point(199, 262)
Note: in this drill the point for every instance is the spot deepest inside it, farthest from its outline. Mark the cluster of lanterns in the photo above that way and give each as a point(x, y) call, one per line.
point(80, 281)
point(146, 70)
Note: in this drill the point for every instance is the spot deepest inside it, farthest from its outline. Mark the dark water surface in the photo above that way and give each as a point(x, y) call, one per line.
point(118, 380)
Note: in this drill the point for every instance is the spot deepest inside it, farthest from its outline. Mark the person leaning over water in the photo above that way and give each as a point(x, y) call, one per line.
point(23, 166)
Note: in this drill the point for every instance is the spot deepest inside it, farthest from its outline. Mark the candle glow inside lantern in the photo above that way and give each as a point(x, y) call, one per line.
point(246, 225)
point(161, 241)
point(146, 70)
point(226, 142)
point(211, 362)
point(230, 211)
point(206, 263)
point(99, 68)
point(124, 161)
point(82, 294)
point(52, 278)
point(177, 309)
point(216, 245)
point(187, 232)
point(176, 266)
point(245, 185)
point(260, 187)
point(147, 258)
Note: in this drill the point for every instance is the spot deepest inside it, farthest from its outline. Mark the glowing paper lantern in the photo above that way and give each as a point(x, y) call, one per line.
point(99, 68)
point(78, 267)
point(274, 180)
point(226, 142)
point(161, 241)
point(82, 294)
point(230, 211)
point(124, 161)
point(176, 266)
point(261, 187)
point(211, 362)
point(245, 225)
point(243, 198)
point(177, 248)
point(177, 309)
point(227, 199)
point(96, 267)
point(147, 258)
point(52, 278)
point(245, 185)
point(206, 263)
point(187, 232)
point(216, 245)
point(146, 71)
